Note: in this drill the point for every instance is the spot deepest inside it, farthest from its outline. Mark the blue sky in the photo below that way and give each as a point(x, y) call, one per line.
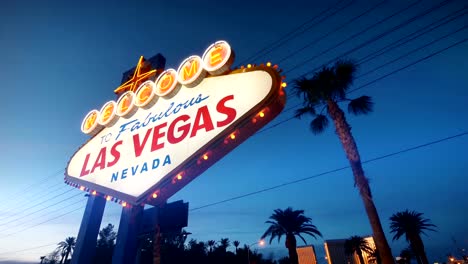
point(58, 60)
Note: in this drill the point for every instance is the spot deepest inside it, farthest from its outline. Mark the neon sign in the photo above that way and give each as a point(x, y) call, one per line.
point(162, 134)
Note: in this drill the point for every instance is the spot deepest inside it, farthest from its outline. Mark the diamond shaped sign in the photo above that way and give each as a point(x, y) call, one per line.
point(146, 147)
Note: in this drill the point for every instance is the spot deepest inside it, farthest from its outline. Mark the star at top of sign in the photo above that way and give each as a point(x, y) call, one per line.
point(136, 79)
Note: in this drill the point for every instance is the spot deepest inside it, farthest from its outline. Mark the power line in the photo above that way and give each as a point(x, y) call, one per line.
point(27, 249)
point(347, 23)
point(373, 39)
point(412, 51)
point(39, 210)
point(48, 220)
point(39, 203)
point(27, 200)
point(34, 184)
point(409, 65)
point(412, 36)
point(331, 171)
point(282, 40)
point(371, 82)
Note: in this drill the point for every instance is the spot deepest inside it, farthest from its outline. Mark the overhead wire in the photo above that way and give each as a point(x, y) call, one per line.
point(330, 171)
point(370, 82)
point(295, 33)
point(343, 25)
point(371, 40)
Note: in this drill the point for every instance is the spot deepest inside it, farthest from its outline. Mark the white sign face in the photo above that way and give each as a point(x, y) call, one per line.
point(138, 151)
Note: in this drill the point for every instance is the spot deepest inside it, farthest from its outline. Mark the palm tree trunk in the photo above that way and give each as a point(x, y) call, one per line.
point(291, 246)
point(419, 249)
point(63, 256)
point(343, 130)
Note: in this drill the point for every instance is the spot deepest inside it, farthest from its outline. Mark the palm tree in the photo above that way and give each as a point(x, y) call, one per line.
point(357, 244)
point(412, 225)
point(67, 246)
point(290, 223)
point(211, 244)
point(236, 244)
point(321, 96)
point(224, 243)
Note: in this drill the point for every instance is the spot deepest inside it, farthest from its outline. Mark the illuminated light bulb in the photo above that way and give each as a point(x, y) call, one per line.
point(155, 195)
point(268, 64)
point(233, 136)
point(205, 157)
point(124, 204)
point(249, 66)
point(179, 176)
point(82, 188)
point(254, 120)
point(261, 242)
point(284, 85)
point(94, 193)
point(108, 198)
point(275, 66)
point(261, 114)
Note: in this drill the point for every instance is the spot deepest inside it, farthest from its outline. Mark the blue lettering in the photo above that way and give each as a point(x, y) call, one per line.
point(167, 160)
point(124, 174)
point(115, 175)
point(155, 163)
point(136, 126)
point(134, 170)
point(167, 114)
point(124, 127)
point(144, 168)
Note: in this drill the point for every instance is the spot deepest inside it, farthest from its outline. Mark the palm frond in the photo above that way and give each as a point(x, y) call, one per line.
point(344, 76)
point(318, 124)
point(304, 110)
point(361, 105)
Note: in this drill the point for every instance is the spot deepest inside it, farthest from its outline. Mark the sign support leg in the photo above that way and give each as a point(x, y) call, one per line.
point(131, 221)
point(87, 236)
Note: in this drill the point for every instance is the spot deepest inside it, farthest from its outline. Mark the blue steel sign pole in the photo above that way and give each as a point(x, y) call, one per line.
point(87, 236)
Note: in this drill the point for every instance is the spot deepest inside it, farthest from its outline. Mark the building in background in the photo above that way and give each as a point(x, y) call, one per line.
point(335, 252)
point(306, 255)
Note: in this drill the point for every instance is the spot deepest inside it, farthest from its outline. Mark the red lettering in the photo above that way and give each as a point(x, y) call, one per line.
point(84, 170)
point(115, 153)
point(228, 111)
point(137, 145)
point(100, 160)
point(202, 115)
point(171, 138)
point(157, 134)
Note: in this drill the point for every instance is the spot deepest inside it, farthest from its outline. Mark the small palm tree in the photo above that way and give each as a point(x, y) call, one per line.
point(357, 244)
point(211, 244)
point(412, 225)
point(321, 96)
point(236, 244)
point(290, 223)
point(224, 243)
point(66, 247)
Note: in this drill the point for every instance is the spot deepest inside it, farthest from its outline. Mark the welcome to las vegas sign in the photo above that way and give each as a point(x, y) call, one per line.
point(166, 131)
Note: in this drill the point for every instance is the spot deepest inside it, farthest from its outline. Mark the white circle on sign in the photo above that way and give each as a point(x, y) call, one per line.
point(125, 104)
point(166, 82)
point(218, 57)
point(191, 71)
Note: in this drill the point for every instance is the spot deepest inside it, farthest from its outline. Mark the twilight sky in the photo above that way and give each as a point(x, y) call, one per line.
point(60, 59)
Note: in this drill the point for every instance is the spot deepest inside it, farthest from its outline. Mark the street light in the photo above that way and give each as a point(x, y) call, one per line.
point(261, 242)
